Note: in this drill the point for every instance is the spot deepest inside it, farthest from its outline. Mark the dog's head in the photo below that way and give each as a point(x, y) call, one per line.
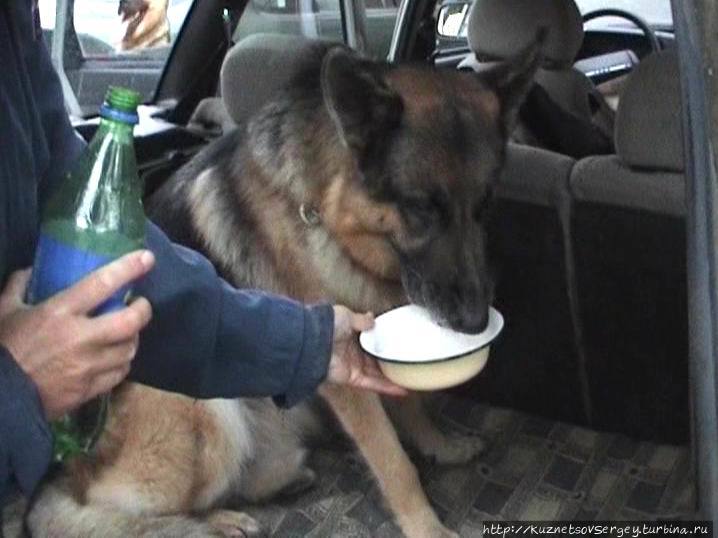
point(128, 9)
point(427, 150)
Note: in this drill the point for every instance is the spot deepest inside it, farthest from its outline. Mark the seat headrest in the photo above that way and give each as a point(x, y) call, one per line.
point(649, 132)
point(258, 67)
point(499, 29)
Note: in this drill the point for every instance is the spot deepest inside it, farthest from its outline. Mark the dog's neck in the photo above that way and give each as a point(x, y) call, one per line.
point(259, 240)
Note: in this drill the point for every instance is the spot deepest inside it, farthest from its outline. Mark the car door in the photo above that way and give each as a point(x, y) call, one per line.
point(697, 41)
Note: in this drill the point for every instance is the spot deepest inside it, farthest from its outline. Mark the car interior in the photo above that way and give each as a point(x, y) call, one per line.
point(584, 402)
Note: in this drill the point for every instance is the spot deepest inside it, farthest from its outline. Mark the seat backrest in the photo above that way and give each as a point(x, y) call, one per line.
point(534, 367)
point(569, 88)
point(646, 173)
point(628, 238)
point(258, 67)
point(500, 29)
point(253, 72)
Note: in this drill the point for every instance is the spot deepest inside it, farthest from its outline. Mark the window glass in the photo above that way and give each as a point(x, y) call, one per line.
point(310, 18)
point(380, 20)
point(139, 27)
point(120, 27)
point(317, 19)
point(655, 12)
point(113, 42)
point(453, 16)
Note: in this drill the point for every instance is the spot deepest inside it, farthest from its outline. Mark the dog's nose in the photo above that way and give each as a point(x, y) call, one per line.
point(471, 309)
point(473, 321)
point(469, 317)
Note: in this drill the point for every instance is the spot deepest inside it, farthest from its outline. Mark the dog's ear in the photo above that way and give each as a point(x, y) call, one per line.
point(511, 80)
point(361, 104)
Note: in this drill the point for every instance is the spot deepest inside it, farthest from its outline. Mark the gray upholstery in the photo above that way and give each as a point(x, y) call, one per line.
point(256, 68)
point(569, 88)
point(211, 117)
point(533, 175)
point(647, 172)
point(606, 180)
point(648, 124)
point(498, 29)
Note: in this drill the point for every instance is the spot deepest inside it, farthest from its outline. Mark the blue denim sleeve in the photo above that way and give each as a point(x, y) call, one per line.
point(210, 340)
point(25, 438)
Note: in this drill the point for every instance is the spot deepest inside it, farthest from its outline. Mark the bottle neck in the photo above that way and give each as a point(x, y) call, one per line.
point(119, 130)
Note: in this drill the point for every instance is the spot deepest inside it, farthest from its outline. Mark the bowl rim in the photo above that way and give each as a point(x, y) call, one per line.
point(430, 361)
point(442, 359)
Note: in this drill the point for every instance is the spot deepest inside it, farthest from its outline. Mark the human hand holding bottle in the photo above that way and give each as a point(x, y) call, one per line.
point(70, 356)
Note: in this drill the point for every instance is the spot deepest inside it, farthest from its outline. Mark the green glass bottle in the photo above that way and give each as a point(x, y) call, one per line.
point(94, 217)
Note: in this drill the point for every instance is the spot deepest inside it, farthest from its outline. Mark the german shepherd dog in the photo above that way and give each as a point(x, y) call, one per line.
point(364, 184)
point(147, 24)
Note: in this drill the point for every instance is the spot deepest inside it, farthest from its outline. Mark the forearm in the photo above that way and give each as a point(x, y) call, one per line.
point(209, 340)
point(25, 438)
point(273, 346)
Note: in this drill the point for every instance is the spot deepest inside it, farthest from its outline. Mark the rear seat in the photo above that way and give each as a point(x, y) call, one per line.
point(538, 348)
point(629, 245)
point(604, 254)
point(647, 173)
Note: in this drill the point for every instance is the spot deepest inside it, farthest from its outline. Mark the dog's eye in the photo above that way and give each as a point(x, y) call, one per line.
point(419, 209)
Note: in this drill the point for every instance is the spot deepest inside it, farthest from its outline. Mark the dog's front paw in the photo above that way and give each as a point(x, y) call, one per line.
point(233, 524)
point(456, 450)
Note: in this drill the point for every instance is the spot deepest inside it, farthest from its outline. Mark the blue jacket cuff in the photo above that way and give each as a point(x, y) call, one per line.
point(311, 367)
point(25, 437)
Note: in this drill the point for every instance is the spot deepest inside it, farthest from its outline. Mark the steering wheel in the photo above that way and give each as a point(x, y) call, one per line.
point(635, 19)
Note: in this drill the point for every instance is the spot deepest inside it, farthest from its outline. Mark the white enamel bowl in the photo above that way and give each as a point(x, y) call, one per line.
point(418, 354)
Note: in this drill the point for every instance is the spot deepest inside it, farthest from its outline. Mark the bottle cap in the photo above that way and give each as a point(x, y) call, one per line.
point(121, 105)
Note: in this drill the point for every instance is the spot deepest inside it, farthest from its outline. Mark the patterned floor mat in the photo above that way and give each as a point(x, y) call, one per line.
point(533, 469)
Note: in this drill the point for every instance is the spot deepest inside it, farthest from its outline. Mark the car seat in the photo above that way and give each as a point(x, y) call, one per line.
point(500, 29)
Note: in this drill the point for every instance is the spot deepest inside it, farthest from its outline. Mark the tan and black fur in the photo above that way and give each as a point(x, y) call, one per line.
point(147, 23)
point(396, 166)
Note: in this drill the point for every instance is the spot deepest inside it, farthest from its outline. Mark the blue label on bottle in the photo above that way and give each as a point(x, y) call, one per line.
point(59, 265)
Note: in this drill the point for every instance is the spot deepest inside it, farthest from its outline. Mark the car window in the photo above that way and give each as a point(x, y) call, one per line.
point(453, 16)
point(655, 12)
point(111, 42)
point(310, 18)
point(453, 19)
point(317, 19)
point(114, 24)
